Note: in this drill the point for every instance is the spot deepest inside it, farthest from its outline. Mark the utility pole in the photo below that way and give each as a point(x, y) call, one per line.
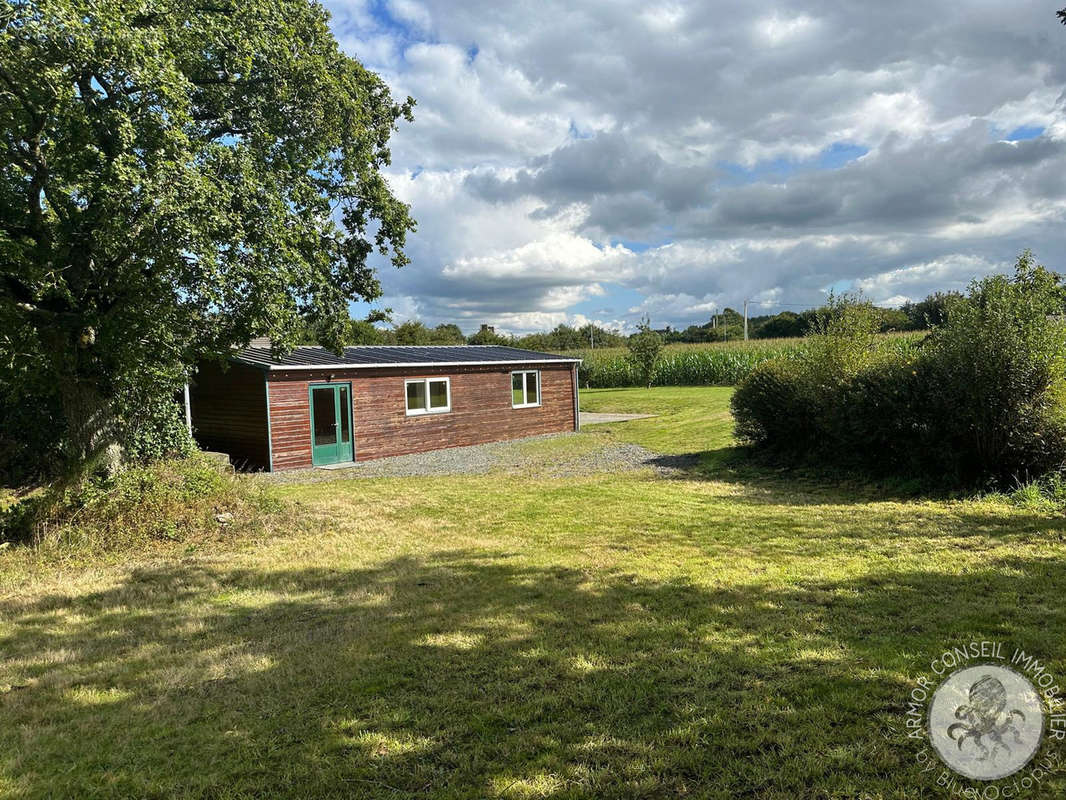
point(592, 336)
point(745, 320)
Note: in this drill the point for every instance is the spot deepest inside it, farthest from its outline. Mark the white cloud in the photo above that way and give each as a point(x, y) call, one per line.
point(778, 30)
point(574, 150)
point(413, 13)
point(539, 321)
point(556, 254)
point(949, 273)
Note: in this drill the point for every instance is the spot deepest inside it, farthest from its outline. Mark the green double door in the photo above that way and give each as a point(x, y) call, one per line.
point(331, 424)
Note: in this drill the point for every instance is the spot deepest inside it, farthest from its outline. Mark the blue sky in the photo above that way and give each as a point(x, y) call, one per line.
point(776, 170)
point(575, 161)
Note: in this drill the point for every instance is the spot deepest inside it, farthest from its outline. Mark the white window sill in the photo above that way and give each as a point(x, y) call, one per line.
point(422, 413)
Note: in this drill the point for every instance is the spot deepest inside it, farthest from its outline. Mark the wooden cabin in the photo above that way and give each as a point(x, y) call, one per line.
point(314, 408)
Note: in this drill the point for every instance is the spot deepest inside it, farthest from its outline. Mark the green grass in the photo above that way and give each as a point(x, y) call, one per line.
point(689, 419)
point(721, 634)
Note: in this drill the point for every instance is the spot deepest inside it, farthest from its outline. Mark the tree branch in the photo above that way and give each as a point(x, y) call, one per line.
point(18, 290)
point(36, 117)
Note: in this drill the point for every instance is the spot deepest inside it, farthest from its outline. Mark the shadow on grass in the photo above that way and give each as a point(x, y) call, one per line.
point(476, 675)
point(775, 478)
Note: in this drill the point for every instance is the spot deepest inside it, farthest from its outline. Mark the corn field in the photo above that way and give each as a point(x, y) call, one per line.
point(720, 363)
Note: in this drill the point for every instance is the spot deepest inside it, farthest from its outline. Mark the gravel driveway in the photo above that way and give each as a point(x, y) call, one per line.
point(599, 418)
point(532, 456)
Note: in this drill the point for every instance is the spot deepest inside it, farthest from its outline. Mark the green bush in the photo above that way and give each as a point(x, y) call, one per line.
point(993, 375)
point(981, 400)
point(147, 422)
point(772, 407)
point(875, 421)
point(799, 406)
point(170, 499)
point(645, 347)
point(157, 429)
point(843, 340)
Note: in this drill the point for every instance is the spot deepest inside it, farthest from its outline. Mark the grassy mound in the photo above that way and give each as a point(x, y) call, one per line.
point(176, 500)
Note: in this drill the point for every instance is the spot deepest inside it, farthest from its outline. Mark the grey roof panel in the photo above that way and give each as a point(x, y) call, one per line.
point(406, 356)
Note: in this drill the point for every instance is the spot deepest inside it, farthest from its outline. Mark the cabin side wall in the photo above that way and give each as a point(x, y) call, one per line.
point(480, 410)
point(229, 413)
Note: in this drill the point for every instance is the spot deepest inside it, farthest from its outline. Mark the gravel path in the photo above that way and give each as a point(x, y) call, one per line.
point(615, 457)
point(599, 418)
point(519, 456)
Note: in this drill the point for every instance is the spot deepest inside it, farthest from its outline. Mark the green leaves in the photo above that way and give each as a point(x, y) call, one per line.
point(181, 178)
point(981, 400)
point(644, 348)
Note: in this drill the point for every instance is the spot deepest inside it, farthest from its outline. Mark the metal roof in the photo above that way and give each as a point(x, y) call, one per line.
point(363, 356)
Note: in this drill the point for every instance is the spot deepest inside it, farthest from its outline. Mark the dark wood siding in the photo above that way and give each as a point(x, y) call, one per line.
point(480, 401)
point(290, 423)
point(229, 413)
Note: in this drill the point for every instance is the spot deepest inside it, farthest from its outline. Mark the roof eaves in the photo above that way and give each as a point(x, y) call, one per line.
point(410, 364)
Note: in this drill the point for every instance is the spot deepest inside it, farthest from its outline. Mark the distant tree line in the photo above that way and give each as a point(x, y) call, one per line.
point(414, 332)
point(729, 325)
point(725, 326)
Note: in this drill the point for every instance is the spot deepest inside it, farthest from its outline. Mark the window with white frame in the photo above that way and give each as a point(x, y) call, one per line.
point(525, 389)
point(428, 396)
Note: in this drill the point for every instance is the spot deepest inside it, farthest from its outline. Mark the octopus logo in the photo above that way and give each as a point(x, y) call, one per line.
point(986, 721)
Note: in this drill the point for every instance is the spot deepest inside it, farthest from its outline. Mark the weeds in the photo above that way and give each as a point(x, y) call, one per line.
point(176, 500)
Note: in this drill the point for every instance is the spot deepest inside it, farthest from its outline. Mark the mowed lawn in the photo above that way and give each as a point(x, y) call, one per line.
point(728, 631)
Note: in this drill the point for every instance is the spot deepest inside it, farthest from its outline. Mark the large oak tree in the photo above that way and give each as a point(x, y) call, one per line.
point(178, 177)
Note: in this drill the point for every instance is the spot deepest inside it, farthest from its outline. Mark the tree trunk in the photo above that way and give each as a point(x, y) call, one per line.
point(93, 431)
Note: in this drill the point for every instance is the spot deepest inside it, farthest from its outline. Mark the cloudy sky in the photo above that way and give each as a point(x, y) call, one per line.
point(575, 161)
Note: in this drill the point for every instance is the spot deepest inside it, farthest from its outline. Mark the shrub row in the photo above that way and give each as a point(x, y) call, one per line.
point(981, 400)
